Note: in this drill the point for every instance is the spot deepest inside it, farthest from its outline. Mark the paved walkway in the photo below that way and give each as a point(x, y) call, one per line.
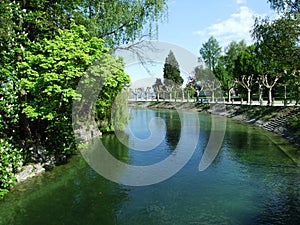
point(265, 103)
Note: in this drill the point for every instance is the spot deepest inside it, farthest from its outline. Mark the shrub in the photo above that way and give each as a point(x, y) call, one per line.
point(11, 161)
point(294, 124)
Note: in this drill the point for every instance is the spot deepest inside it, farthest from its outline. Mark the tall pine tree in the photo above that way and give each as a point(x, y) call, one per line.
point(172, 71)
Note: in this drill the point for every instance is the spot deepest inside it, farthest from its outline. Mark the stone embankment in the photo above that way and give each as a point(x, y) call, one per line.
point(29, 171)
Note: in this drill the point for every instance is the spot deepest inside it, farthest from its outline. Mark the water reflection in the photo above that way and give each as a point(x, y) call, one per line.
point(250, 182)
point(74, 195)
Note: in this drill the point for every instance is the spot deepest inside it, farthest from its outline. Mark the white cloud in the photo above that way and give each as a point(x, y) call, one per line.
point(241, 1)
point(237, 27)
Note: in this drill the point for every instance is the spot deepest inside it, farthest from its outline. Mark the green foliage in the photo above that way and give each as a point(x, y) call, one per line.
point(222, 74)
point(13, 42)
point(50, 75)
point(54, 69)
point(247, 63)
point(285, 5)
point(210, 53)
point(201, 73)
point(11, 161)
point(172, 71)
point(278, 42)
point(114, 82)
point(294, 124)
point(43, 55)
point(120, 21)
point(120, 114)
point(232, 51)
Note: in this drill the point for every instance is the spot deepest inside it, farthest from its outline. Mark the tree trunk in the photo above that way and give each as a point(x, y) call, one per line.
point(260, 94)
point(297, 94)
point(213, 96)
point(229, 95)
point(249, 97)
point(270, 96)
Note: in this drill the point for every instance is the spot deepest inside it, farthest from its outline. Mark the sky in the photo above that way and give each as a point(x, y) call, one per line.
point(190, 23)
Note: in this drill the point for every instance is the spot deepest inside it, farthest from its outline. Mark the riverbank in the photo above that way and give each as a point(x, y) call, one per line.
point(256, 115)
point(275, 119)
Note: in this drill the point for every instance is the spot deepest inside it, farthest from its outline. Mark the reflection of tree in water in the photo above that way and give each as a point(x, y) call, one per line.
point(115, 147)
point(276, 174)
point(251, 145)
point(173, 127)
point(70, 194)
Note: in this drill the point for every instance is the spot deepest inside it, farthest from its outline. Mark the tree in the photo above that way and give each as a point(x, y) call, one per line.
point(171, 71)
point(247, 68)
point(210, 53)
point(285, 5)
point(232, 51)
point(201, 73)
point(12, 46)
point(43, 55)
point(111, 103)
point(224, 71)
point(278, 41)
point(157, 87)
point(222, 75)
point(213, 86)
point(50, 75)
point(117, 22)
point(269, 85)
point(120, 21)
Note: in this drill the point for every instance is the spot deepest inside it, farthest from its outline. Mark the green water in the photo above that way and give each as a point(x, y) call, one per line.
point(251, 181)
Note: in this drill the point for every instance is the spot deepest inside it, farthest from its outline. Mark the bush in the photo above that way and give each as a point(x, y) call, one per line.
point(294, 124)
point(11, 161)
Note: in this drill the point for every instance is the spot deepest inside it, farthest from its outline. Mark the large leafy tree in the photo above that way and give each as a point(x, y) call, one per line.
point(171, 71)
point(279, 40)
point(221, 73)
point(247, 68)
point(116, 22)
point(13, 42)
point(42, 56)
point(278, 45)
point(224, 71)
point(50, 75)
point(120, 21)
point(232, 51)
point(201, 73)
point(210, 53)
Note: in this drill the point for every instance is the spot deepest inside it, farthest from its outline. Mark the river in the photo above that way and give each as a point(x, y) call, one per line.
point(251, 181)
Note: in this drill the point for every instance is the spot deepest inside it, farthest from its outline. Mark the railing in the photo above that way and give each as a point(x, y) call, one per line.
point(235, 100)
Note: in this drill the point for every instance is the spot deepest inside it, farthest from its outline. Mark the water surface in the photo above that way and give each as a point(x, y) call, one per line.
point(251, 181)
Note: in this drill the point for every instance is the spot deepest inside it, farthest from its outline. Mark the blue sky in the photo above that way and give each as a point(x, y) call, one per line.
point(191, 22)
